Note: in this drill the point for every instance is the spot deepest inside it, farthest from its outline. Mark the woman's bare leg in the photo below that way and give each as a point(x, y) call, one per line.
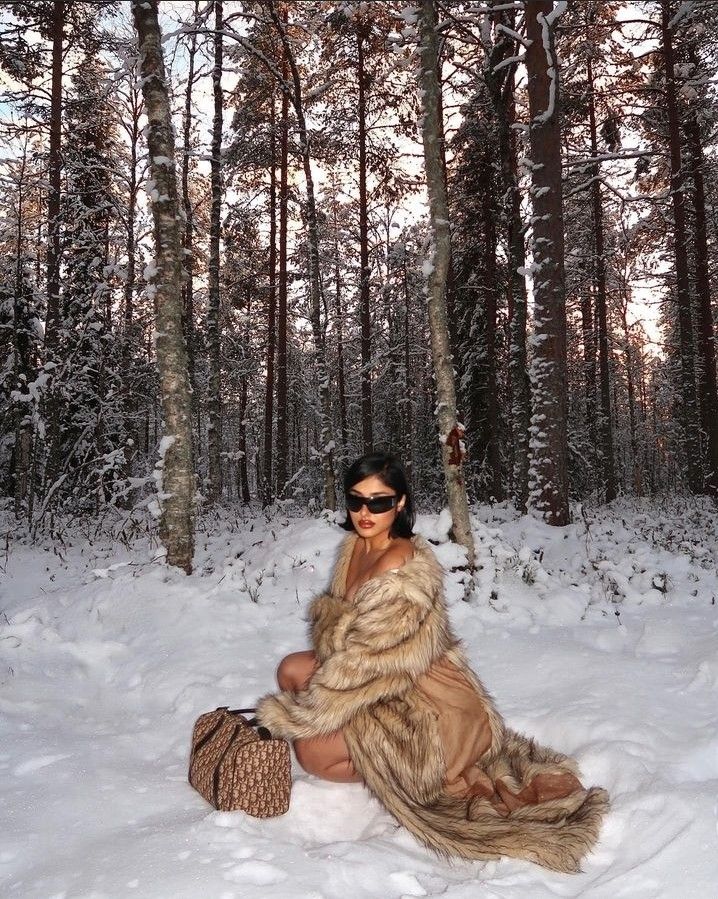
point(296, 669)
point(325, 757)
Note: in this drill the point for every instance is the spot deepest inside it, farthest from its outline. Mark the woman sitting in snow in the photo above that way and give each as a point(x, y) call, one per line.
point(386, 697)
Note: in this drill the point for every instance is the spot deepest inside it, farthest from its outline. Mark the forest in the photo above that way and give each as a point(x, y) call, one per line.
point(242, 243)
point(480, 235)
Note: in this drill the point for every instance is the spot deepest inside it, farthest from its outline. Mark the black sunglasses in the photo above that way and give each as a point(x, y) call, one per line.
point(375, 504)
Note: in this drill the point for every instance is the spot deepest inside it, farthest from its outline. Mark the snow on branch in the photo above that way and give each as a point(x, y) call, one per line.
point(607, 157)
point(513, 34)
point(546, 22)
point(509, 61)
point(685, 9)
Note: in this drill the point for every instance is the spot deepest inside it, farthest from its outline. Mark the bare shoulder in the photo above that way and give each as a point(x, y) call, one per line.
point(397, 554)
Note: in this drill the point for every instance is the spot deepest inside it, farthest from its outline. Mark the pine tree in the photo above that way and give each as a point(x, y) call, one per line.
point(549, 449)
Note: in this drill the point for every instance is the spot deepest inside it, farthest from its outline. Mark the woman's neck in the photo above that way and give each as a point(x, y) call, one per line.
point(376, 544)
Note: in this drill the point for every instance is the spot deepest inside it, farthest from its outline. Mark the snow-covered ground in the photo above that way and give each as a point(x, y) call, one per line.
point(600, 639)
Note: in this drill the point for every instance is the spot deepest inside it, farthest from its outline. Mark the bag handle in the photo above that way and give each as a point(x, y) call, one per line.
point(262, 732)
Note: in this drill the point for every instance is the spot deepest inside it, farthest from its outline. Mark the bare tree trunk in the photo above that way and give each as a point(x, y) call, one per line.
point(680, 236)
point(326, 448)
point(53, 252)
point(178, 479)
point(243, 397)
point(707, 373)
point(129, 407)
point(407, 417)
point(214, 386)
point(267, 488)
point(188, 234)
point(282, 374)
point(493, 455)
point(636, 474)
point(501, 91)
point(54, 179)
point(549, 442)
point(364, 297)
point(609, 466)
point(450, 431)
point(339, 318)
point(21, 358)
point(588, 332)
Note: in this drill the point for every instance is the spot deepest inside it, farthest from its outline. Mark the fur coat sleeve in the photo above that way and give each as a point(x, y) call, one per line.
point(370, 650)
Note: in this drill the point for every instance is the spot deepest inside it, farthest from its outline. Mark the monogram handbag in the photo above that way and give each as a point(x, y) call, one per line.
point(235, 764)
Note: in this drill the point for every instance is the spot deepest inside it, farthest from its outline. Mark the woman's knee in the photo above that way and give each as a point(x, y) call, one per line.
point(295, 670)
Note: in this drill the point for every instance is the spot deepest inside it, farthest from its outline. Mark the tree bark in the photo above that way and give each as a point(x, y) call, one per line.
point(450, 430)
point(326, 441)
point(707, 370)
point(282, 467)
point(608, 463)
point(491, 431)
point(267, 487)
point(680, 236)
point(243, 398)
point(549, 442)
point(588, 332)
point(501, 91)
point(214, 386)
point(339, 318)
point(132, 127)
point(54, 179)
point(21, 358)
point(364, 296)
point(177, 473)
point(188, 233)
point(407, 416)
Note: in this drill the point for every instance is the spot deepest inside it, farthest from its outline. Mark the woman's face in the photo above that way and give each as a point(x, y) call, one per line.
point(367, 523)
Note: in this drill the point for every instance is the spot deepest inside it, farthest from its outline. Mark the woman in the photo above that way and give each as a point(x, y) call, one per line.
point(386, 697)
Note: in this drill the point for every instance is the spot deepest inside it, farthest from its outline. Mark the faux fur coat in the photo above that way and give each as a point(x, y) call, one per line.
point(372, 653)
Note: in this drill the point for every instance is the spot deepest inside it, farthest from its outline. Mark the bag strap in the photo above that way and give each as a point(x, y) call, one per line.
point(262, 732)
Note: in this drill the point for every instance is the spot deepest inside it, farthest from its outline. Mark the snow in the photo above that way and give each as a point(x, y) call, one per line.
point(598, 638)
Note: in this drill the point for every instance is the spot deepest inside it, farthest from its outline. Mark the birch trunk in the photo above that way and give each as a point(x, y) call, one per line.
point(450, 431)
point(178, 480)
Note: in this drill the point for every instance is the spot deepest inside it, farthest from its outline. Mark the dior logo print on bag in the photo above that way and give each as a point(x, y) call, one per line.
point(238, 766)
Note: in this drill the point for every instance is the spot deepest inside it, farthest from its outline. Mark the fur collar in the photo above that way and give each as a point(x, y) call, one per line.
point(422, 571)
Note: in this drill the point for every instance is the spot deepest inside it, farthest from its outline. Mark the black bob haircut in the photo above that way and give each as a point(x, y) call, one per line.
point(390, 470)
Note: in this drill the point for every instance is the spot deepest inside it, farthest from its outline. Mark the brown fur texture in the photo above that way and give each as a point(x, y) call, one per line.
point(371, 653)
